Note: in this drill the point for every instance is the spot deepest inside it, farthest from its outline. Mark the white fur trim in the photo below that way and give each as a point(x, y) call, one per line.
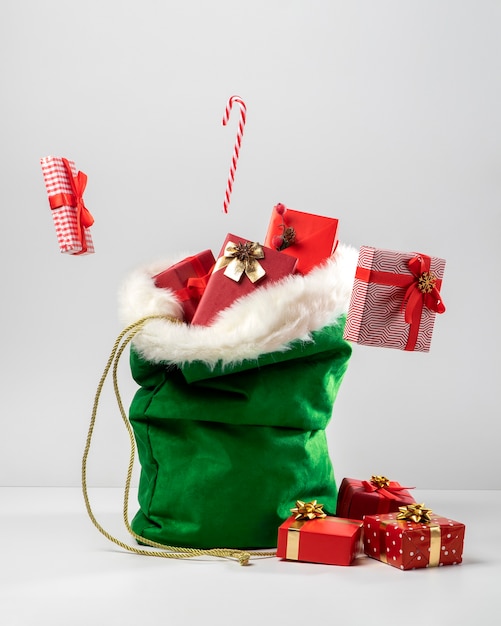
point(266, 320)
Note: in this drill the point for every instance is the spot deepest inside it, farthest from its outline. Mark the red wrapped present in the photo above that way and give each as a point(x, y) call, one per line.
point(318, 538)
point(394, 300)
point(357, 498)
point(310, 238)
point(65, 187)
point(242, 266)
point(188, 279)
point(413, 538)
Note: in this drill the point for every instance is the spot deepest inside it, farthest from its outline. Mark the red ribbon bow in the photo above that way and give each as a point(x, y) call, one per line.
point(390, 490)
point(421, 290)
point(75, 199)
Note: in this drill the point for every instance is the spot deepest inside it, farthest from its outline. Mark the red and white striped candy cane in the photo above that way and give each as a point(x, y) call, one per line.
point(238, 143)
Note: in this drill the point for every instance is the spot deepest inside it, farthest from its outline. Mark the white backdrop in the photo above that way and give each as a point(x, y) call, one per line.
point(385, 114)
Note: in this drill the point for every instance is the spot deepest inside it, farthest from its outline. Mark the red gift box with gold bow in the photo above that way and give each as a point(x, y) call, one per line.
point(309, 237)
point(395, 299)
point(242, 267)
point(318, 538)
point(72, 220)
point(357, 498)
point(188, 280)
point(413, 538)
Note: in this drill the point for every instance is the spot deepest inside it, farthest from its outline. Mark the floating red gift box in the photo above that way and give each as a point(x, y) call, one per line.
point(357, 498)
point(314, 237)
point(328, 540)
point(394, 300)
point(242, 267)
point(408, 544)
point(65, 187)
point(188, 280)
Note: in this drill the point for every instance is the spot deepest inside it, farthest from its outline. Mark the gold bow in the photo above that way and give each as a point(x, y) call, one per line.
point(380, 481)
point(308, 510)
point(414, 513)
point(240, 258)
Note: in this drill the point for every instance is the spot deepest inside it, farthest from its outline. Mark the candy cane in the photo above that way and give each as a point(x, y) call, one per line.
point(238, 143)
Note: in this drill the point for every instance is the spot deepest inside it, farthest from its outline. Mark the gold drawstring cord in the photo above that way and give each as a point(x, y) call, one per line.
point(168, 552)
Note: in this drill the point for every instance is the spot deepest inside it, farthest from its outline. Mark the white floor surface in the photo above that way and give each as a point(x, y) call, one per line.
point(56, 569)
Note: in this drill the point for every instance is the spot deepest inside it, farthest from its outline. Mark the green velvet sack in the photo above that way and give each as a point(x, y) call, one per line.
point(230, 420)
point(224, 458)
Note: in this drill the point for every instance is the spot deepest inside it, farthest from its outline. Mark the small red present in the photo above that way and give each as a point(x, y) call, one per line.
point(242, 267)
point(413, 538)
point(357, 498)
point(317, 538)
point(188, 280)
point(311, 238)
point(65, 187)
point(394, 300)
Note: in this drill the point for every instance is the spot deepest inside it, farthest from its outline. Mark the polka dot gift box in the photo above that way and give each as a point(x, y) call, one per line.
point(413, 538)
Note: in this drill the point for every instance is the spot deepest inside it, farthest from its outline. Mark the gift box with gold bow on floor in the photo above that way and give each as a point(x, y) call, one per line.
point(310, 535)
point(395, 298)
point(413, 538)
point(368, 497)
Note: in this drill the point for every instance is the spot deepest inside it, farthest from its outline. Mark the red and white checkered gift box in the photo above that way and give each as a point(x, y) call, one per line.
point(65, 187)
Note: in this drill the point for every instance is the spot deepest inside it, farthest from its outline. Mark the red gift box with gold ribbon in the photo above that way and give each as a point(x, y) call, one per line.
point(72, 220)
point(413, 538)
point(357, 498)
point(331, 540)
point(309, 237)
point(188, 280)
point(395, 299)
point(242, 267)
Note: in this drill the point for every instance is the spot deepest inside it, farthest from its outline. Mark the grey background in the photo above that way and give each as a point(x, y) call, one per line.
point(384, 114)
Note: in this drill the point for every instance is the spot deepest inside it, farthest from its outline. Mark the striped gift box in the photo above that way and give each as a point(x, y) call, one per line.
point(57, 183)
point(387, 285)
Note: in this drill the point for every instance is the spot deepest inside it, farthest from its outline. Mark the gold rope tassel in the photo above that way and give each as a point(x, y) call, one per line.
point(167, 552)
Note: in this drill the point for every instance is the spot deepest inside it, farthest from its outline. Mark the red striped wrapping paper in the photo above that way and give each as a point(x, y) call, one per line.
point(65, 217)
point(375, 315)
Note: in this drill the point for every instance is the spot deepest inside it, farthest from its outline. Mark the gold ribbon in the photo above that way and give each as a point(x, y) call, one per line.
point(242, 258)
point(308, 510)
point(304, 512)
point(414, 513)
point(435, 545)
point(293, 537)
